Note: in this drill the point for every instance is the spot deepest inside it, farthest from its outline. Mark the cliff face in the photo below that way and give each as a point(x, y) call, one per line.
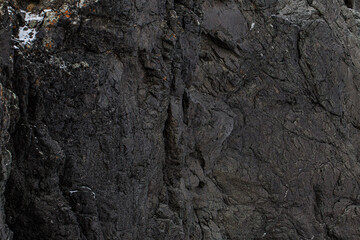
point(179, 119)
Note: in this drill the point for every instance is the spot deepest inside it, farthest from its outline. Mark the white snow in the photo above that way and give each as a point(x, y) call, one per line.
point(286, 193)
point(11, 10)
point(84, 187)
point(27, 34)
point(32, 16)
point(10, 155)
point(74, 191)
point(252, 26)
point(62, 66)
point(81, 3)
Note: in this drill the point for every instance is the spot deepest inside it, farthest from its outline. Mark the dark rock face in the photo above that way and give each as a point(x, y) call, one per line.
point(179, 119)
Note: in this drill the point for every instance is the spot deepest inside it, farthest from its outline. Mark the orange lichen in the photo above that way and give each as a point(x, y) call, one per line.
point(48, 45)
point(164, 78)
point(174, 36)
point(52, 22)
point(66, 13)
point(37, 82)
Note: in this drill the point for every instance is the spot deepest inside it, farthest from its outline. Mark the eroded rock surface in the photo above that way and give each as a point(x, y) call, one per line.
point(179, 119)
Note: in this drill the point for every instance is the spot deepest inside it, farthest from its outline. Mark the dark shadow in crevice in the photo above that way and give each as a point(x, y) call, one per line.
point(349, 3)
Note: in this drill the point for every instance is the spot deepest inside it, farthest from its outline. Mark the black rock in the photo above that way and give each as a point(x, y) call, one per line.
point(179, 119)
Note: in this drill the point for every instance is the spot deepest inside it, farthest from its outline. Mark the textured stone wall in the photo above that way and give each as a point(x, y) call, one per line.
point(179, 119)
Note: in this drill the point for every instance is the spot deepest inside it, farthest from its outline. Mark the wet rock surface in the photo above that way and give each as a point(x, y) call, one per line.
point(179, 119)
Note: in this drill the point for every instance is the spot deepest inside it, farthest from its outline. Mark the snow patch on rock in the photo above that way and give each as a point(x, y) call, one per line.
point(27, 33)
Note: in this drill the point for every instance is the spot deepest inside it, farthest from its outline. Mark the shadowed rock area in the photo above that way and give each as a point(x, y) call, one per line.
point(179, 119)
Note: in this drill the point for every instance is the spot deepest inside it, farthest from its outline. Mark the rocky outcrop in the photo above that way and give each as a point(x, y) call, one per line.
point(179, 119)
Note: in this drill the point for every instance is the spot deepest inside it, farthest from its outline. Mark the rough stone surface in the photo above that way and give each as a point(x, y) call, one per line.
point(179, 119)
